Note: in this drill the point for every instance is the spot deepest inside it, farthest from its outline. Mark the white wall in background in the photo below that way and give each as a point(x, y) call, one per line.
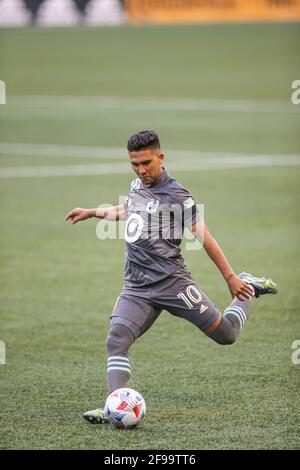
point(104, 12)
point(14, 13)
point(58, 13)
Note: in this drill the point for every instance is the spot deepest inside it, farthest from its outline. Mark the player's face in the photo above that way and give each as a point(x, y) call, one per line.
point(146, 164)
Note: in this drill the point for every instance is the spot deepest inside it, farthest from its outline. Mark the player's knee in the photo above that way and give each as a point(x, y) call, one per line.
point(225, 336)
point(224, 341)
point(114, 342)
point(118, 340)
point(230, 337)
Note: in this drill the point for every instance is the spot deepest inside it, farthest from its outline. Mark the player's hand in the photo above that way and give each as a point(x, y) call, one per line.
point(239, 288)
point(78, 214)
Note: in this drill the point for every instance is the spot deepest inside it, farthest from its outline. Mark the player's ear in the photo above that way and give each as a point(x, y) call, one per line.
point(161, 157)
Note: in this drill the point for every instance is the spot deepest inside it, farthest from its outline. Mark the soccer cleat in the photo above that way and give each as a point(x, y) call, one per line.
point(261, 285)
point(95, 416)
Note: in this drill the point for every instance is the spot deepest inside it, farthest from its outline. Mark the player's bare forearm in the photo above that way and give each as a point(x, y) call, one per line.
point(216, 254)
point(236, 286)
point(110, 213)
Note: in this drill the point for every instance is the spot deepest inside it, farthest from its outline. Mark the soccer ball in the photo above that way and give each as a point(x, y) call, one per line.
point(125, 408)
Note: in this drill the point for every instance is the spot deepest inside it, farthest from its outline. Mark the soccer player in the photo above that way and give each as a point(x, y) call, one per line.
point(156, 278)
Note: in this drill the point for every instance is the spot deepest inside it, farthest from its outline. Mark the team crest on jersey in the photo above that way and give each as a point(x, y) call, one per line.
point(188, 203)
point(152, 206)
point(127, 201)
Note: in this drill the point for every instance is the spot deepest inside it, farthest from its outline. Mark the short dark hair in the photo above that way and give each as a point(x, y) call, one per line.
point(142, 140)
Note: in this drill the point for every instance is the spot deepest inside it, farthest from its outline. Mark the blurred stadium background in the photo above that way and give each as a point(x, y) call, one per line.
point(214, 78)
point(96, 12)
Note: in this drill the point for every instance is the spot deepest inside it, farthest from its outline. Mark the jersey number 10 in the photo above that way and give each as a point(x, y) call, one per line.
point(191, 296)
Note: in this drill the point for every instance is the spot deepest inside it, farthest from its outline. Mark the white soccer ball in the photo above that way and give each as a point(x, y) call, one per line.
point(125, 408)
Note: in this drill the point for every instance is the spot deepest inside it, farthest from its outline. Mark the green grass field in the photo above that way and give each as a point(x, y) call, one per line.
point(59, 282)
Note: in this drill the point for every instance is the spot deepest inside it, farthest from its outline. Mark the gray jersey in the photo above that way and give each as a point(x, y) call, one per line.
point(156, 217)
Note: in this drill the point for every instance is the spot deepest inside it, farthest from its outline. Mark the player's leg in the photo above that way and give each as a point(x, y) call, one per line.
point(236, 315)
point(180, 296)
point(204, 314)
point(183, 298)
point(231, 323)
point(118, 342)
point(119, 339)
point(131, 318)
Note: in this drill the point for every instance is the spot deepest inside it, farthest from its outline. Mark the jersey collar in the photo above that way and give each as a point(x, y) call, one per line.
point(163, 177)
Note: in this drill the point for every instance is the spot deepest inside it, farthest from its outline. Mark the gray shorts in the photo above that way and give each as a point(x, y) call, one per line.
point(138, 308)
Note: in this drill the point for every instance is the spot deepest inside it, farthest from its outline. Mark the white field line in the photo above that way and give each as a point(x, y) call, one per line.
point(217, 163)
point(152, 103)
point(120, 153)
point(63, 170)
point(53, 150)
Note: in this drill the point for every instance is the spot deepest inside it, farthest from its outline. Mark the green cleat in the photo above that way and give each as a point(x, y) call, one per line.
point(95, 416)
point(261, 285)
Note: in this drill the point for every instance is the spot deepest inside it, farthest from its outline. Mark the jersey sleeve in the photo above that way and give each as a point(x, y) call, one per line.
point(189, 210)
point(125, 204)
point(135, 184)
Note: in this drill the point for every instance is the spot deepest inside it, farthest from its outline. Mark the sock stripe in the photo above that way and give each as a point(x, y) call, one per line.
point(237, 309)
point(234, 306)
point(234, 309)
point(237, 312)
point(119, 358)
point(119, 368)
point(243, 315)
point(237, 316)
point(116, 363)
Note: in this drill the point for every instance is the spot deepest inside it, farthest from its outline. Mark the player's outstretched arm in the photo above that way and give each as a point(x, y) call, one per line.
point(237, 286)
point(111, 213)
